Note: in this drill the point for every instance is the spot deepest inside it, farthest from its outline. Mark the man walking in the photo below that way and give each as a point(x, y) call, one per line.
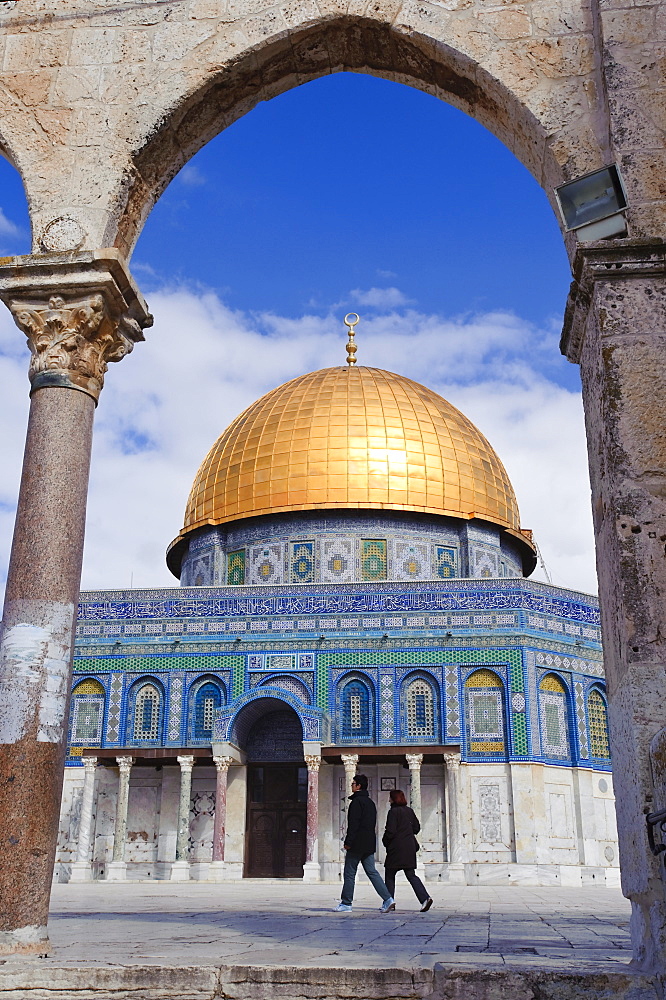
point(360, 845)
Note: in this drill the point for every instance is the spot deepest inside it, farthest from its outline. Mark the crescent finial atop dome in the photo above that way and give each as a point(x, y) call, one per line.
point(350, 322)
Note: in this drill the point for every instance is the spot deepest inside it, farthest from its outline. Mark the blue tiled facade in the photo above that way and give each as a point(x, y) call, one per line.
point(363, 664)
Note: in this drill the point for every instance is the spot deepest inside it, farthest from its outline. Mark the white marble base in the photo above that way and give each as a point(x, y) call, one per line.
point(116, 871)
point(180, 871)
point(311, 871)
point(218, 871)
point(454, 873)
point(81, 871)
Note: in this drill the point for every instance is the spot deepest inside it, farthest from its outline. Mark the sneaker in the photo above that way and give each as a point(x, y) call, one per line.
point(388, 905)
point(426, 906)
point(342, 908)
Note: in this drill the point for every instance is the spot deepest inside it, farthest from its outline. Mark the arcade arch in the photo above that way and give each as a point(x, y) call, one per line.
point(110, 111)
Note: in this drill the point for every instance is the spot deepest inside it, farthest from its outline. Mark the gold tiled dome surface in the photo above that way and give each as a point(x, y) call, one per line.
point(351, 438)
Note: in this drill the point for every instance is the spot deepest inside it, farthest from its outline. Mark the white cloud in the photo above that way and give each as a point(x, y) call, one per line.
point(191, 176)
point(202, 363)
point(379, 298)
point(7, 227)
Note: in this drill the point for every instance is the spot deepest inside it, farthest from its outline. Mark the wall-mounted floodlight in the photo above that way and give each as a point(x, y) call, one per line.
point(593, 205)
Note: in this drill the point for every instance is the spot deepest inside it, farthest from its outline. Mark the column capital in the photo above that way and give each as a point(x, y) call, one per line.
point(452, 760)
point(79, 311)
point(608, 260)
point(313, 762)
point(125, 764)
point(349, 758)
point(89, 763)
point(414, 761)
point(221, 763)
point(186, 762)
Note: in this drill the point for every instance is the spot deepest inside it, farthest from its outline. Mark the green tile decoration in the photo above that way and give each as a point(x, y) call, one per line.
point(174, 661)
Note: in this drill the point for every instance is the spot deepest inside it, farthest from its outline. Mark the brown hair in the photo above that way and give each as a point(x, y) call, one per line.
point(397, 797)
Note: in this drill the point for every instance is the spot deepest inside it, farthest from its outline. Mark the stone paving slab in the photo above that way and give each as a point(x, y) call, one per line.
point(250, 940)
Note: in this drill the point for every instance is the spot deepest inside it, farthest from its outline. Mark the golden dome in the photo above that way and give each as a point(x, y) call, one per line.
point(351, 438)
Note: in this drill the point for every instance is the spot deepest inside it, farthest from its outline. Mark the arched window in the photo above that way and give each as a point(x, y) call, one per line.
point(554, 718)
point(485, 712)
point(87, 714)
point(420, 710)
point(147, 713)
point(356, 714)
point(207, 700)
point(597, 717)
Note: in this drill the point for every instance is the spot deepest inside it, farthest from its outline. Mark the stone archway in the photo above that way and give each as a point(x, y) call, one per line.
point(99, 107)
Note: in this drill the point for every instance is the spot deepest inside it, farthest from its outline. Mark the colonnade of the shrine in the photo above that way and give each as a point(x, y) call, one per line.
point(116, 869)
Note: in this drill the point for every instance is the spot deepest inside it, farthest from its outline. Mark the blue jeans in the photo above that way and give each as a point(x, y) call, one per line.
point(351, 864)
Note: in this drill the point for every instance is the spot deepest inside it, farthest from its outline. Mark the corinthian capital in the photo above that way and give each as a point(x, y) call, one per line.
point(79, 312)
point(312, 762)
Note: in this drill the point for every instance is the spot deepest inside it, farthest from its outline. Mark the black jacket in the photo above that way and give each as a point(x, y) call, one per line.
point(399, 838)
point(361, 825)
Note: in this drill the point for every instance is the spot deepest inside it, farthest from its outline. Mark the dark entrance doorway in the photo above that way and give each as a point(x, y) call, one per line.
point(276, 820)
point(276, 792)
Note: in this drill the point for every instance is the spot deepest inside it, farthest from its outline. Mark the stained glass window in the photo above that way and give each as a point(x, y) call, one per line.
point(87, 713)
point(356, 721)
point(554, 718)
point(420, 710)
point(147, 713)
point(207, 700)
point(485, 712)
point(597, 716)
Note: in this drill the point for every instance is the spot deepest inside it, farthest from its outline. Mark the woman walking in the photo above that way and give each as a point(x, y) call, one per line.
point(400, 842)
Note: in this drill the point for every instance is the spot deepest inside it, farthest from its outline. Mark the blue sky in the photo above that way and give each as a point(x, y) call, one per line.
point(346, 193)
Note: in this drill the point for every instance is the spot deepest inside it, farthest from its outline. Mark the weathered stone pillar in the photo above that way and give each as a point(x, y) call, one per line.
point(217, 867)
point(615, 327)
point(79, 311)
point(350, 762)
point(116, 870)
point(81, 868)
point(180, 870)
point(311, 869)
point(454, 831)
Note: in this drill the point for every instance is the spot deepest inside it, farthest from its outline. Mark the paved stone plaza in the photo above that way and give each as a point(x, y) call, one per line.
point(261, 938)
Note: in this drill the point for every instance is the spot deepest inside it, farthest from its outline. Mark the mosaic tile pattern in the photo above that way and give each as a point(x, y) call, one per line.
point(175, 707)
point(581, 721)
point(287, 683)
point(373, 559)
point(411, 561)
point(597, 716)
point(337, 560)
point(554, 718)
point(446, 564)
point(386, 706)
point(115, 703)
point(452, 703)
point(236, 568)
point(265, 564)
point(302, 562)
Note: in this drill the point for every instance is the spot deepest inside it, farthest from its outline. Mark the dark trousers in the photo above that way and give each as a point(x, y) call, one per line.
point(413, 879)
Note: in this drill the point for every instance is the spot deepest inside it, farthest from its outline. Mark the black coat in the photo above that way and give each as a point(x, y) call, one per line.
point(399, 837)
point(361, 825)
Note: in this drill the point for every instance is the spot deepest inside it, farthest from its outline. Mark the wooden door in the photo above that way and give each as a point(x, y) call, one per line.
point(276, 821)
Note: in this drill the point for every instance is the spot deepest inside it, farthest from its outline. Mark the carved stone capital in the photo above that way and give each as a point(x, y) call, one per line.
point(89, 763)
point(79, 312)
point(452, 761)
point(414, 761)
point(313, 762)
point(125, 764)
point(606, 261)
point(186, 762)
point(349, 760)
point(223, 763)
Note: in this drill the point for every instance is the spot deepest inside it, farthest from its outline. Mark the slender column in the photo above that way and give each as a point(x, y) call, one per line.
point(615, 327)
point(78, 314)
point(217, 867)
point(414, 761)
point(116, 871)
point(454, 844)
point(81, 868)
point(311, 870)
point(350, 761)
point(180, 870)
